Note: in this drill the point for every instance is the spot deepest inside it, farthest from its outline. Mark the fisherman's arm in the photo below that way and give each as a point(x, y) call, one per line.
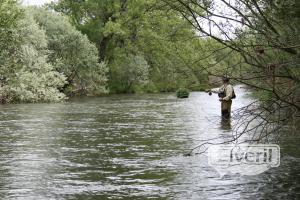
point(215, 90)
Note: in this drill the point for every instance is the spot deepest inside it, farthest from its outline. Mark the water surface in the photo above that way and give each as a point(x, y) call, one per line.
point(128, 147)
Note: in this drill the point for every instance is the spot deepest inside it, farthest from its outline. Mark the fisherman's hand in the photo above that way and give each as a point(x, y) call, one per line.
point(221, 99)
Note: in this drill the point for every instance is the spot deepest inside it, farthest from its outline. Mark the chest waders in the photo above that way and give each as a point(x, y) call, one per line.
point(226, 108)
point(225, 105)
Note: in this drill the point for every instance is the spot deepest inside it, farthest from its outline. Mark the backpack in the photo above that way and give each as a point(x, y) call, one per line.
point(233, 94)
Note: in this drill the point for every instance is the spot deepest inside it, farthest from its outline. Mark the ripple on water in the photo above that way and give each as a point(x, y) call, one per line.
point(126, 147)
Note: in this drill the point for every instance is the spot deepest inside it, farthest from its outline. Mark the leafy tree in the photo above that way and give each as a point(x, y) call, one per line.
point(42, 55)
point(133, 71)
point(27, 75)
point(72, 54)
point(128, 27)
point(10, 14)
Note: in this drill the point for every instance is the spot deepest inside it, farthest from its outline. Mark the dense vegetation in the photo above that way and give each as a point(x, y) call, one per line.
point(95, 47)
point(73, 54)
point(43, 57)
point(25, 73)
point(147, 47)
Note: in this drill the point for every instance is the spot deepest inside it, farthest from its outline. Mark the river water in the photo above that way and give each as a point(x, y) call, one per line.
point(128, 147)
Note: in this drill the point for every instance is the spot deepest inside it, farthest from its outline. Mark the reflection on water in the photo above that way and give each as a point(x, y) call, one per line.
point(127, 147)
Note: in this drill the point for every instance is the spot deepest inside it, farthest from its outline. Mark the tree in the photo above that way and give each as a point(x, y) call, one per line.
point(132, 71)
point(10, 14)
point(72, 53)
point(139, 28)
point(91, 18)
point(27, 77)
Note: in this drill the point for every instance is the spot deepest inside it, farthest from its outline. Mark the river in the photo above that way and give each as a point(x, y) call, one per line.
point(128, 147)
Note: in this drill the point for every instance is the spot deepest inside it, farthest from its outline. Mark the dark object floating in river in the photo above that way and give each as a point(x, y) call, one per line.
point(182, 93)
point(187, 154)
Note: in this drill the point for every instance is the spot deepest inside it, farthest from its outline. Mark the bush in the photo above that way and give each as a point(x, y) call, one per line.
point(182, 93)
point(28, 77)
point(73, 54)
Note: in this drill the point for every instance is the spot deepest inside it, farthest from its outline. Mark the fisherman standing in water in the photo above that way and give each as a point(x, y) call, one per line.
point(226, 94)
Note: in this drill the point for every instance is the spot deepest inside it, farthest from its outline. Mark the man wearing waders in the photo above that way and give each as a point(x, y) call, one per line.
point(226, 94)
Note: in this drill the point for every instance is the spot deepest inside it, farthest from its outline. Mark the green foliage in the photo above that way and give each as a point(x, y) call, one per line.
point(28, 77)
point(257, 44)
point(10, 13)
point(120, 28)
point(263, 96)
point(42, 55)
point(275, 70)
point(128, 72)
point(182, 93)
point(72, 54)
